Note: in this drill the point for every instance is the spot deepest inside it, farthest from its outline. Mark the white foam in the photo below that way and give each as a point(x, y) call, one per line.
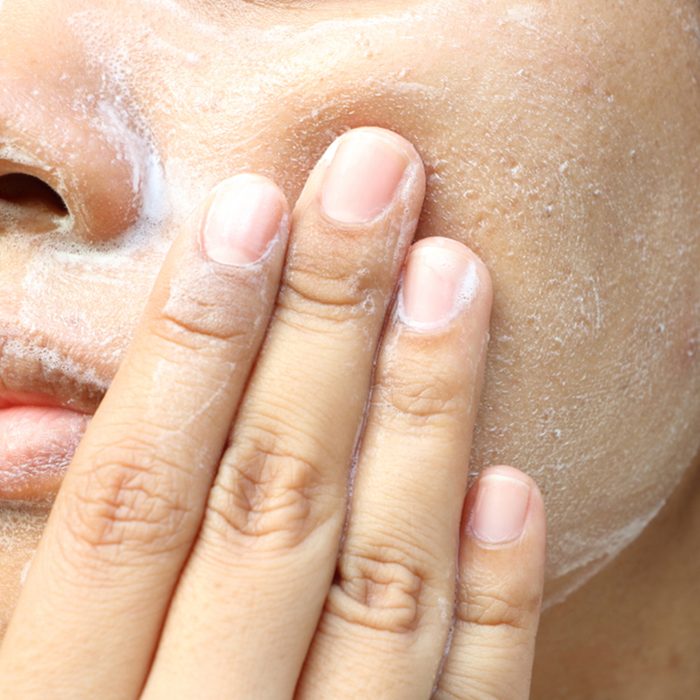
point(595, 559)
point(52, 362)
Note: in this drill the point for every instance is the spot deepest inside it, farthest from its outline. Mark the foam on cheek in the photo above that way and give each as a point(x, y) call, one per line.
point(183, 31)
point(578, 549)
point(578, 569)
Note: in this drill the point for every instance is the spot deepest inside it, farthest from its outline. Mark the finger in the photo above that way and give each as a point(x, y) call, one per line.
point(499, 595)
point(387, 615)
point(267, 549)
point(133, 497)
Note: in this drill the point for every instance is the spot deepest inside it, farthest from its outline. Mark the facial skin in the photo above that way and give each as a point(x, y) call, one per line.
point(562, 144)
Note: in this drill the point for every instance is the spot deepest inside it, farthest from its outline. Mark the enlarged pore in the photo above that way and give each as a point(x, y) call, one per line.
point(29, 205)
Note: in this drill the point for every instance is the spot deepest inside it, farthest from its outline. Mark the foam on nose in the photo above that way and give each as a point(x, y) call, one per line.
point(87, 148)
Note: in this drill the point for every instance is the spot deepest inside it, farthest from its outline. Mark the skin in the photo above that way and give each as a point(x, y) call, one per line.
point(561, 144)
point(200, 545)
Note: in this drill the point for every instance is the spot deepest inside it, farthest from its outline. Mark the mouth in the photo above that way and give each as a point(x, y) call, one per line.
point(48, 395)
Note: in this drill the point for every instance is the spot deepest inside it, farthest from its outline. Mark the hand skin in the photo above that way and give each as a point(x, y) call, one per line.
point(189, 554)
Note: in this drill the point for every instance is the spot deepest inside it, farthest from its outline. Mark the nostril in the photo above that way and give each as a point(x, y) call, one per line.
point(26, 190)
point(86, 140)
point(29, 204)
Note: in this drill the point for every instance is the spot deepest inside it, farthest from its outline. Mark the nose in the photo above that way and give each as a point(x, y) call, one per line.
point(71, 163)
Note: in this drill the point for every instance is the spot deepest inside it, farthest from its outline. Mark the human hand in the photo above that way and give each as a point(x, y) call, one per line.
point(197, 546)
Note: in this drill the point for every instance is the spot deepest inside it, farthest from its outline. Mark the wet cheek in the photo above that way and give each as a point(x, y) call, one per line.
point(686, 348)
point(522, 137)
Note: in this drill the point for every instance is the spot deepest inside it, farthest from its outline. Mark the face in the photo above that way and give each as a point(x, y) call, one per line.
point(562, 143)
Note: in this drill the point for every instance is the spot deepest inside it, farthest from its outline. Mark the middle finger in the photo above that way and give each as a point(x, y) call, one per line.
point(252, 593)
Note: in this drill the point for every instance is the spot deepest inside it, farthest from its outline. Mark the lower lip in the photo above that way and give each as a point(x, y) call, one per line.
point(37, 444)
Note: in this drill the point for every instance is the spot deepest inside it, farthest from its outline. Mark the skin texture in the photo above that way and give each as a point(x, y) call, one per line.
point(562, 144)
point(194, 548)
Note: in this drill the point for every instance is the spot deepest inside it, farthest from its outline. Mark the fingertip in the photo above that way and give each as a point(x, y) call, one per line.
point(503, 506)
point(481, 291)
point(502, 552)
point(536, 514)
point(442, 280)
point(397, 140)
point(510, 472)
point(252, 179)
point(245, 215)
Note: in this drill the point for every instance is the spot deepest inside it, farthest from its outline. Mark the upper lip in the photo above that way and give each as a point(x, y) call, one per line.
point(36, 371)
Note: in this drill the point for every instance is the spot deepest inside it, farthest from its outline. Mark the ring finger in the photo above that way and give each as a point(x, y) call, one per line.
point(388, 613)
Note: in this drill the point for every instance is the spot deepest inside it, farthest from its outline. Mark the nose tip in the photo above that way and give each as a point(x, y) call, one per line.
point(85, 151)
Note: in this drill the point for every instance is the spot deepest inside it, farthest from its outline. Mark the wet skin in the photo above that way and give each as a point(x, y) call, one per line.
point(561, 144)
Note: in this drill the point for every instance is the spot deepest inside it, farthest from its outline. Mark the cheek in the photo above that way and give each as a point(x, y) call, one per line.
point(606, 433)
point(686, 345)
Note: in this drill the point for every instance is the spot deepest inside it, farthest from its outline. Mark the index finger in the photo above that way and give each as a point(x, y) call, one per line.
point(133, 497)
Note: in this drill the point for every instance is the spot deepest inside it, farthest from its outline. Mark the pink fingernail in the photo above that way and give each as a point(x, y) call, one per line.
point(244, 217)
point(363, 177)
point(440, 277)
point(500, 509)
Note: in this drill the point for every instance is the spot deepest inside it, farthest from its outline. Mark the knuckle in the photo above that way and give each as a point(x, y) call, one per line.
point(329, 294)
point(266, 496)
point(124, 505)
point(381, 589)
point(481, 609)
point(200, 325)
point(416, 399)
point(205, 310)
point(469, 685)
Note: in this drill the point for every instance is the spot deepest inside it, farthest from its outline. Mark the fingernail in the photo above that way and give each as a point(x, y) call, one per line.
point(500, 508)
point(438, 279)
point(362, 179)
point(244, 217)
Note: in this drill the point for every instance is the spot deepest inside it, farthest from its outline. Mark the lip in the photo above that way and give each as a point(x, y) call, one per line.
point(47, 398)
point(37, 444)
